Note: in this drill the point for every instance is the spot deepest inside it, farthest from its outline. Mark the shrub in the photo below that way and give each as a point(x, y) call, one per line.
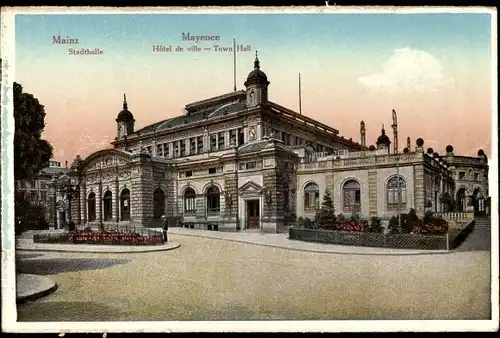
point(428, 217)
point(325, 217)
point(355, 217)
point(300, 222)
point(375, 225)
point(71, 226)
point(308, 224)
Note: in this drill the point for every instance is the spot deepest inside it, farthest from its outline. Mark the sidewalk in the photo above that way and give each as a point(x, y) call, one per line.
point(282, 241)
point(26, 244)
point(29, 287)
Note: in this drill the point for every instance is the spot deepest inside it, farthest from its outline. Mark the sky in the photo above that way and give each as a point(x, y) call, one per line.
point(435, 70)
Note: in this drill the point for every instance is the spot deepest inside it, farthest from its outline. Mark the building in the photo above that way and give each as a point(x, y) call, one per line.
point(42, 190)
point(240, 161)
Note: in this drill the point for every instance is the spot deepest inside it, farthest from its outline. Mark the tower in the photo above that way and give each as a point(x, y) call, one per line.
point(125, 121)
point(395, 130)
point(362, 130)
point(256, 85)
point(383, 141)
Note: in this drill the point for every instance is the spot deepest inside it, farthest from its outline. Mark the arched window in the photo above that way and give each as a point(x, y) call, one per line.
point(108, 206)
point(125, 205)
point(394, 198)
point(159, 203)
point(213, 200)
point(91, 207)
point(311, 197)
point(351, 193)
point(189, 201)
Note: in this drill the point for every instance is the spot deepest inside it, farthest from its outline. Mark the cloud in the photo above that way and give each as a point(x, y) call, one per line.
point(408, 69)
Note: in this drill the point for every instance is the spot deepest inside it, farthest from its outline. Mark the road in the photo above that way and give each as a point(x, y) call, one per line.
point(210, 279)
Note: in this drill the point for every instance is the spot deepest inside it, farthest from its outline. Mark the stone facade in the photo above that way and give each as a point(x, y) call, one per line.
point(239, 161)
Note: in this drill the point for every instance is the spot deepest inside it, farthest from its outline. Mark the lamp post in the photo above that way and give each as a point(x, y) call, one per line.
point(53, 191)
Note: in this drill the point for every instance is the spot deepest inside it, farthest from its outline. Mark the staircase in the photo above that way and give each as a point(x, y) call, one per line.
point(483, 222)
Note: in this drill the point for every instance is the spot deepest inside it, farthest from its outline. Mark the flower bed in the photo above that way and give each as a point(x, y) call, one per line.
point(88, 236)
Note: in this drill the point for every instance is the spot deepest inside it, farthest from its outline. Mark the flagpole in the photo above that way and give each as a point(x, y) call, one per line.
point(234, 63)
point(300, 97)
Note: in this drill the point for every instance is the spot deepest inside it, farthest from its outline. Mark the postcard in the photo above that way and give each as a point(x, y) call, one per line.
point(249, 169)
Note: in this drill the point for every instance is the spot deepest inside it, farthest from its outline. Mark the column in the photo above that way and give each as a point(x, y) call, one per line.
point(116, 200)
point(170, 149)
point(99, 202)
point(187, 143)
point(245, 134)
point(163, 149)
point(227, 141)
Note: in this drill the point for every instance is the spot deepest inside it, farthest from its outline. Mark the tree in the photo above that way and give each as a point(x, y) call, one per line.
point(326, 214)
point(31, 152)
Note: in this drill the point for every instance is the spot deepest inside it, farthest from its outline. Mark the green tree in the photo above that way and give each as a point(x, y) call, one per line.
point(325, 217)
point(31, 152)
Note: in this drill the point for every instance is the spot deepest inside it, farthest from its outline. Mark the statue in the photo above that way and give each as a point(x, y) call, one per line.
point(76, 162)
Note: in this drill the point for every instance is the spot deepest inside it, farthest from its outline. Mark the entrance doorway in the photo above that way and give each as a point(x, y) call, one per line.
point(62, 219)
point(125, 205)
point(253, 214)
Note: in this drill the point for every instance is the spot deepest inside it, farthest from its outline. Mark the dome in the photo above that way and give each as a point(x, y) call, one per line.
point(125, 115)
point(449, 148)
point(430, 150)
point(383, 139)
point(256, 75)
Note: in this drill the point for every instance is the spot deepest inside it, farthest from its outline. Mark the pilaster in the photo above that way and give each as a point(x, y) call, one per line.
point(419, 190)
point(372, 193)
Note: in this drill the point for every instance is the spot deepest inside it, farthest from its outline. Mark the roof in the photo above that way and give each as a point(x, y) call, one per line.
point(204, 112)
point(259, 145)
point(54, 171)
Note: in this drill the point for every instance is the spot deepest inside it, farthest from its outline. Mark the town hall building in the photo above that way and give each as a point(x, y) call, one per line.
point(239, 161)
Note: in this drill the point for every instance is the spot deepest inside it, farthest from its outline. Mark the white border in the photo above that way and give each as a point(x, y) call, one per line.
point(9, 323)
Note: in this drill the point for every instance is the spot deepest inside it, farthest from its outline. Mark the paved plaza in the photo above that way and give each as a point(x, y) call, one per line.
point(213, 279)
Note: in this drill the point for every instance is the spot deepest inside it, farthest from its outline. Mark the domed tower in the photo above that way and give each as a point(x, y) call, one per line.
point(256, 85)
point(383, 141)
point(125, 121)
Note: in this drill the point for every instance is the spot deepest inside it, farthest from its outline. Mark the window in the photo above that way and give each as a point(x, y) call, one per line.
point(43, 185)
point(233, 137)
point(176, 149)
point(251, 165)
point(167, 150)
point(461, 175)
point(159, 203)
point(213, 142)
point(183, 147)
point(351, 196)
point(108, 206)
point(159, 150)
point(221, 141)
point(189, 201)
point(311, 197)
point(212, 170)
point(199, 142)
point(125, 205)
point(393, 197)
point(213, 200)
point(34, 196)
point(91, 207)
point(189, 173)
point(149, 149)
point(192, 149)
point(241, 136)
point(476, 177)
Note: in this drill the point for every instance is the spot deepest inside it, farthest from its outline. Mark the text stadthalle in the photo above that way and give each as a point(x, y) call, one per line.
point(85, 51)
point(61, 40)
point(198, 38)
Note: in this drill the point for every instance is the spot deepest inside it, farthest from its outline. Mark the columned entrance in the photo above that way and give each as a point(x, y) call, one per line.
point(252, 214)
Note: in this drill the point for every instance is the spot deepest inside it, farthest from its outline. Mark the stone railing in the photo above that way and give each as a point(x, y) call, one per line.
point(459, 217)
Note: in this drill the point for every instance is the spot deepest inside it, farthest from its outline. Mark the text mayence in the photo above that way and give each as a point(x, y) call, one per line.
point(198, 38)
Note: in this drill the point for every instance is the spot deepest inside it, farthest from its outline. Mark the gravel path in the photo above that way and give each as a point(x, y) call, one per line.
point(209, 279)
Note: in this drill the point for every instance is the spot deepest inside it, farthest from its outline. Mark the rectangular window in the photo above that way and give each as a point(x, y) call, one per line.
point(189, 173)
point(183, 148)
point(199, 142)
point(241, 136)
point(476, 177)
point(192, 148)
point(251, 165)
point(213, 142)
point(212, 170)
point(222, 145)
point(461, 175)
point(233, 137)
point(167, 149)
point(190, 204)
point(159, 150)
